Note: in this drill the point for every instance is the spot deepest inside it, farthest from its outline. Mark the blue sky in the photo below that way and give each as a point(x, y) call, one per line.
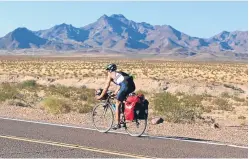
point(201, 19)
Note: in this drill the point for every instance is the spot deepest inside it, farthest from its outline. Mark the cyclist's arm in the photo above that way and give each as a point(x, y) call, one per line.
point(106, 87)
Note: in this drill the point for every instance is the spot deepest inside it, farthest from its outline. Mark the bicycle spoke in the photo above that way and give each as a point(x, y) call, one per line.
point(103, 122)
point(136, 128)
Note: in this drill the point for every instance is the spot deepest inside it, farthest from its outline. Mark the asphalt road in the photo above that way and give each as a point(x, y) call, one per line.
point(33, 140)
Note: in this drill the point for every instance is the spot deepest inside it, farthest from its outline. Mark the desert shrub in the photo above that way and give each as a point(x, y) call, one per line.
point(8, 91)
point(225, 95)
point(59, 90)
point(180, 94)
point(245, 103)
point(237, 99)
point(242, 117)
point(174, 109)
point(76, 96)
point(28, 84)
point(208, 109)
point(17, 103)
point(234, 88)
point(56, 105)
point(205, 95)
point(84, 107)
point(141, 92)
point(223, 104)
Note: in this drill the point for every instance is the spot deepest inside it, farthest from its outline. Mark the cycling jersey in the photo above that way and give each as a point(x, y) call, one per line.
point(120, 77)
point(126, 84)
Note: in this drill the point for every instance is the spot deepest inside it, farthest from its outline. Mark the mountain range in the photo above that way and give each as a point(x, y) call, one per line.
point(119, 34)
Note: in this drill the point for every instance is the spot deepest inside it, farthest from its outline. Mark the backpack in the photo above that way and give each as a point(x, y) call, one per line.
point(136, 107)
point(126, 76)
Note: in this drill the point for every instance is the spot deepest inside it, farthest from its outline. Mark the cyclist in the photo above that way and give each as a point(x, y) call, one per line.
point(125, 85)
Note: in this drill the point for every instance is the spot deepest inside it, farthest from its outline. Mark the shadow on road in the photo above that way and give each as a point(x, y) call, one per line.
point(177, 138)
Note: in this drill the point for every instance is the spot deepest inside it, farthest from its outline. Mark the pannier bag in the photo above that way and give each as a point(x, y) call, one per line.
point(136, 107)
point(141, 109)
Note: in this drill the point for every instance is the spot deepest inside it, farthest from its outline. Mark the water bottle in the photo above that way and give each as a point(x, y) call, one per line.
point(113, 106)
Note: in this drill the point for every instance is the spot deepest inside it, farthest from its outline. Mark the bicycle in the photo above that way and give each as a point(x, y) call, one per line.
point(105, 109)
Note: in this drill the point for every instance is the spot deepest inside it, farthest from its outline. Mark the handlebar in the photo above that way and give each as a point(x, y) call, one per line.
point(111, 94)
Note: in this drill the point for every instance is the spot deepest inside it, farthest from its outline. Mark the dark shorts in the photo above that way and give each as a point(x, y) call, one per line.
point(125, 89)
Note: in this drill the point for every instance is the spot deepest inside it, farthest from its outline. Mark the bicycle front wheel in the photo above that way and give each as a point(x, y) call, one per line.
point(102, 117)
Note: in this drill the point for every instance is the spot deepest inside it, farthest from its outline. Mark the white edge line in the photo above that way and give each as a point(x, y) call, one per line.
point(157, 137)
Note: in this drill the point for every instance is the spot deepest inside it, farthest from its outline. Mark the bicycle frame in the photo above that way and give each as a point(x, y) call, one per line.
point(108, 102)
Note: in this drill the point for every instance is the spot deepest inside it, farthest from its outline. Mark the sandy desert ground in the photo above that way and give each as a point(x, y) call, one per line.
point(220, 87)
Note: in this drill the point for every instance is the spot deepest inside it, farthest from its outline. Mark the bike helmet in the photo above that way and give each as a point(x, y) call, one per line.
point(111, 67)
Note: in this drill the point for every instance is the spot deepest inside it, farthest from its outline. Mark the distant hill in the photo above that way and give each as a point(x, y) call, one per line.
point(119, 34)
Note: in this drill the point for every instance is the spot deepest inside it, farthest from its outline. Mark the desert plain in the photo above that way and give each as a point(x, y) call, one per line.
point(196, 99)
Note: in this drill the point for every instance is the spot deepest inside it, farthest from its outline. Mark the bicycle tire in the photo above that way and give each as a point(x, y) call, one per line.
point(104, 107)
point(141, 132)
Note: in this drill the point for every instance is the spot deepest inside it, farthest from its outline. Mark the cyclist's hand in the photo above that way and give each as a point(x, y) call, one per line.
point(98, 97)
point(113, 95)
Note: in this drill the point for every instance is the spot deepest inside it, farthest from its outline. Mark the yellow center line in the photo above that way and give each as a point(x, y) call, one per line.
point(74, 146)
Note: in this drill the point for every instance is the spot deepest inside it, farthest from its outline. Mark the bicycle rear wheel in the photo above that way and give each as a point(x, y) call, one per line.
point(136, 128)
point(103, 117)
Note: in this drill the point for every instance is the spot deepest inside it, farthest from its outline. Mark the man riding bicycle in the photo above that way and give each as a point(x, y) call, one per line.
point(125, 85)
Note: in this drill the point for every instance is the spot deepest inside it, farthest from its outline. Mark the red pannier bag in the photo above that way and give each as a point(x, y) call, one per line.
point(130, 105)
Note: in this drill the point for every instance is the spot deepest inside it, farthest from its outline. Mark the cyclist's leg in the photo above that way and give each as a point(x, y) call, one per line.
point(124, 91)
point(118, 105)
point(120, 98)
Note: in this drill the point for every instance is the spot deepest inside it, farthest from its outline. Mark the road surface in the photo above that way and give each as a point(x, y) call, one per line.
point(35, 140)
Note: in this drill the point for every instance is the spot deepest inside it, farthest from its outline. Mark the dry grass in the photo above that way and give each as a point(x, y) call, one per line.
point(242, 117)
point(28, 84)
point(55, 99)
point(175, 109)
point(227, 75)
point(56, 105)
point(7, 92)
point(223, 104)
point(233, 73)
point(141, 92)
